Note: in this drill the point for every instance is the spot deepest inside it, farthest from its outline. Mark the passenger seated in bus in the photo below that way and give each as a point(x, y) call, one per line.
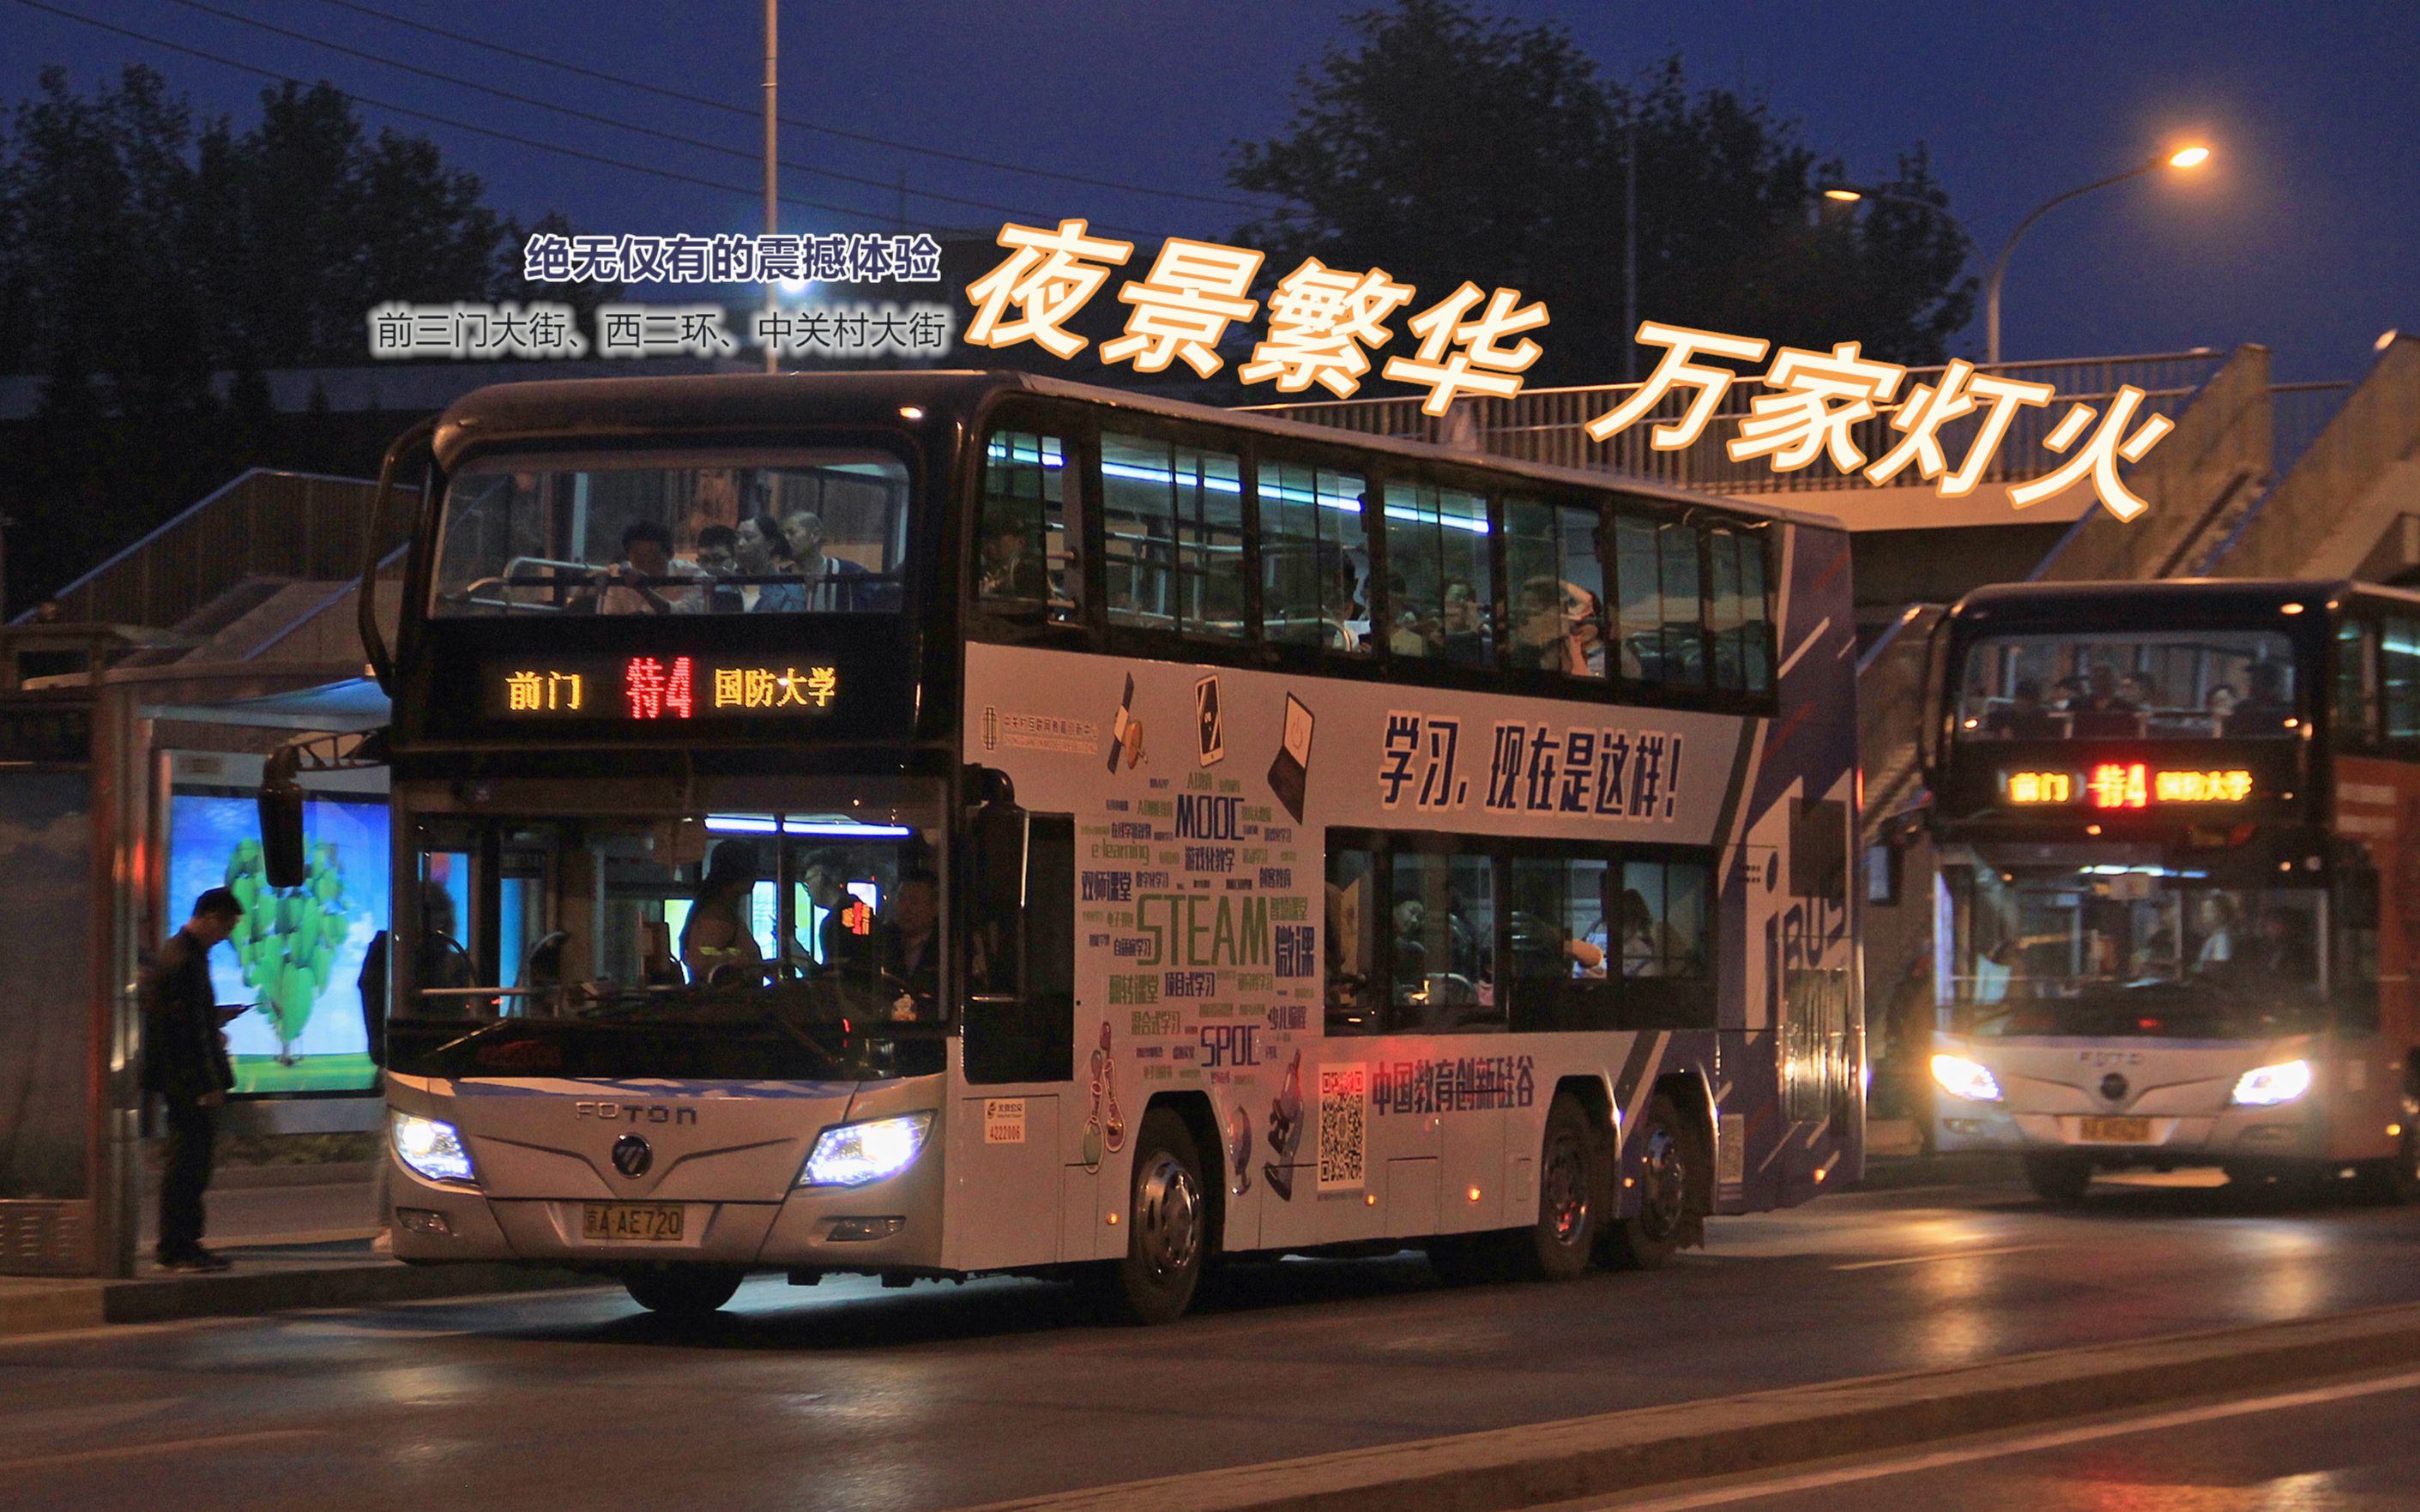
point(764, 553)
point(2218, 703)
point(1584, 631)
point(718, 559)
point(1646, 941)
point(824, 586)
point(2101, 712)
point(2023, 718)
point(1462, 632)
point(625, 587)
point(1010, 569)
point(1538, 625)
point(909, 942)
point(717, 937)
point(2137, 690)
point(2266, 707)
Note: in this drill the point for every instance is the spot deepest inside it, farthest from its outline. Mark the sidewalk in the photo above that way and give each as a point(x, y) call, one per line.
point(299, 1237)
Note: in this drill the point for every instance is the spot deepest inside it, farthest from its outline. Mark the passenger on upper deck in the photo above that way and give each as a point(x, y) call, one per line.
point(2025, 718)
point(764, 551)
point(634, 584)
point(2101, 711)
point(2264, 710)
point(823, 589)
point(717, 558)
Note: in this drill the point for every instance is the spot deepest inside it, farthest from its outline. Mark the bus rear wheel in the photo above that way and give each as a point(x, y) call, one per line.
point(1168, 1233)
point(1648, 1239)
point(687, 1291)
point(2058, 1177)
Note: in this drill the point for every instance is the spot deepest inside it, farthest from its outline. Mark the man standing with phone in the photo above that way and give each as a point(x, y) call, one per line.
point(185, 1061)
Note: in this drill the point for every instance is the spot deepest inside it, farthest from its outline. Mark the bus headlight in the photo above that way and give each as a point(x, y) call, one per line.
point(1961, 1077)
point(853, 1154)
point(2272, 1085)
point(432, 1148)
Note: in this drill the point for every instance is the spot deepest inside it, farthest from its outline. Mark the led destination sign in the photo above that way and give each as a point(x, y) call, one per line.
point(2126, 785)
point(653, 688)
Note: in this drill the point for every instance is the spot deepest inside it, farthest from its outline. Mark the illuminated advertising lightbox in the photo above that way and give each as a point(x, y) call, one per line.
point(646, 690)
point(296, 955)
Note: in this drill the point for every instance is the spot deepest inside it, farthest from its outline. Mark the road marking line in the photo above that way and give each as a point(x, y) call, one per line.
point(2053, 1439)
point(1943, 1254)
point(133, 1451)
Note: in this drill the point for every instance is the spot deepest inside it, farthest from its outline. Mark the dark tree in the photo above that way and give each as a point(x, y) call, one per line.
point(154, 269)
point(1445, 144)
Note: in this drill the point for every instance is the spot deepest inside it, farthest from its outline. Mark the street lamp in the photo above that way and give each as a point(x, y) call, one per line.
point(2185, 158)
point(1852, 194)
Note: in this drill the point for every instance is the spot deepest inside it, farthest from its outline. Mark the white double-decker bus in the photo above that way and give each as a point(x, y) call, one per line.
point(930, 824)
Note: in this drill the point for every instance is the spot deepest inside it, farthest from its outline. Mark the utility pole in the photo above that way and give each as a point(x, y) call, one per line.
point(773, 155)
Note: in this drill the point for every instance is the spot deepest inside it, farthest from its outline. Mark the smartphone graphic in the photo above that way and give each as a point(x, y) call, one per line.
point(1205, 709)
point(1290, 772)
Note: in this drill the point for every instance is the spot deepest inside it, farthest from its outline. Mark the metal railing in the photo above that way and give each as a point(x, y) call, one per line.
point(1548, 425)
point(263, 524)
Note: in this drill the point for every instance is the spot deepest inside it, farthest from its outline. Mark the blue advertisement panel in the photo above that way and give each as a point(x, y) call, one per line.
point(296, 955)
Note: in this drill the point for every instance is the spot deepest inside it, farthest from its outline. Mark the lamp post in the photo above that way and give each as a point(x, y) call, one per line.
point(2185, 158)
point(772, 183)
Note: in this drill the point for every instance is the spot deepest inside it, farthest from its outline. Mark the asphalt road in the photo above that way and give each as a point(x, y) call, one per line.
point(849, 1397)
point(2344, 1446)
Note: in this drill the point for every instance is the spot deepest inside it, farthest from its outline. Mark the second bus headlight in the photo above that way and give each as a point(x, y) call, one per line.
point(2272, 1085)
point(1961, 1077)
point(854, 1154)
point(433, 1148)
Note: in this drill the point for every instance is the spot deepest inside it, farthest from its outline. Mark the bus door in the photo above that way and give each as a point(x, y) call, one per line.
point(1016, 1139)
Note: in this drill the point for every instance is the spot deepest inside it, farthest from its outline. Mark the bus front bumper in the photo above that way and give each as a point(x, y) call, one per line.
point(2235, 1134)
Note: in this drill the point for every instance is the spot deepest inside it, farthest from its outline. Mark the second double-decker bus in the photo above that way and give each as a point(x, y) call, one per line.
point(2178, 895)
point(930, 824)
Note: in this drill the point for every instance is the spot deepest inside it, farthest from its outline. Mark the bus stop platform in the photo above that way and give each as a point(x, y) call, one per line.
point(265, 1278)
point(297, 1237)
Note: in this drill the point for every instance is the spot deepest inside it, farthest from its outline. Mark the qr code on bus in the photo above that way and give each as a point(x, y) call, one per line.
point(1343, 1125)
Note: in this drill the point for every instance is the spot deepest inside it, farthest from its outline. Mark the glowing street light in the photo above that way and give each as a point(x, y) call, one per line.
point(2186, 157)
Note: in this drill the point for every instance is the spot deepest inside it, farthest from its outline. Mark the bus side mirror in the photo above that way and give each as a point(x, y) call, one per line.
point(281, 824)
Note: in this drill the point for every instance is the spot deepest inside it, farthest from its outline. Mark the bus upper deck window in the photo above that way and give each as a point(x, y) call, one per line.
point(1315, 558)
point(1030, 564)
point(1439, 586)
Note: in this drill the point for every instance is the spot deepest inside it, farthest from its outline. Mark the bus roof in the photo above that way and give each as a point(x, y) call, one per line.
point(554, 412)
point(2096, 605)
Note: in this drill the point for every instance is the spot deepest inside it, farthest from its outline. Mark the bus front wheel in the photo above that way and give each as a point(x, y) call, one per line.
point(2058, 1177)
point(1167, 1233)
point(1571, 1194)
point(687, 1291)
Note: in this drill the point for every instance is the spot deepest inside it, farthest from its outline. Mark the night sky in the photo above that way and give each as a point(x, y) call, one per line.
point(2304, 234)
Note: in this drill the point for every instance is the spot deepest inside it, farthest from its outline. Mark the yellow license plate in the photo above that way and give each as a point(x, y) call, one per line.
point(2117, 1131)
point(641, 1223)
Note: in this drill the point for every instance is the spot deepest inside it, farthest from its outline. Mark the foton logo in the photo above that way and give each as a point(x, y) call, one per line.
point(633, 1112)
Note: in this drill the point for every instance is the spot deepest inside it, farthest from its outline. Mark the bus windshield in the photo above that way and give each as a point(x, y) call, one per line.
point(746, 944)
point(2133, 951)
point(2181, 683)
point(813, 531)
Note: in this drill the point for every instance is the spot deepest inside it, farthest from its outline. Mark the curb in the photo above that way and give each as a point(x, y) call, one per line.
point(1536, 1464)
point(50, 1309)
